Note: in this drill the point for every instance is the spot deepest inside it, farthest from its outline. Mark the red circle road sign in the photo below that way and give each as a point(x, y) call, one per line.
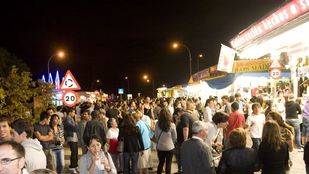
point(275, 73)
point(70, 98)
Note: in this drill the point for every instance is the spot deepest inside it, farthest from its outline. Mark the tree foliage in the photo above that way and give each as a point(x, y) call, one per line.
point(19, 94)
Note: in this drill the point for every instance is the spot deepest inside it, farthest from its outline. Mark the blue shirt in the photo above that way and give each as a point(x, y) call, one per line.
point(146, 133)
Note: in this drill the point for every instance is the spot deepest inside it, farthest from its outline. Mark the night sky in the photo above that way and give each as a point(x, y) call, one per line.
point(108, 40)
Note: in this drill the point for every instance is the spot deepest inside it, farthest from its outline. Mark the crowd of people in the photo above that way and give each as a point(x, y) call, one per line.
point(119, 136)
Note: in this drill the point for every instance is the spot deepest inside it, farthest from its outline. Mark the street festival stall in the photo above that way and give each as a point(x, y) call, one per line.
point(272, 54)
point(278, 44)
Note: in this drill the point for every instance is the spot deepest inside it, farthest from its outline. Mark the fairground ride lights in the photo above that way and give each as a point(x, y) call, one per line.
point(285, 14)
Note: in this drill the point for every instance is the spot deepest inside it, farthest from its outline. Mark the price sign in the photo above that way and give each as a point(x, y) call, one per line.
point(69, 98)
point(275, 73)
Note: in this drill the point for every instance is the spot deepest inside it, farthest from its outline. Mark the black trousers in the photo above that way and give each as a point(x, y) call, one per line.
point(74, 154)
point(165, 157)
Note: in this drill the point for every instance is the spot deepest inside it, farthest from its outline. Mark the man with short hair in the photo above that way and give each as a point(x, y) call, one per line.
point(12, 158)
point(236, 120)
point(70, 129)
point(22, 133)
point(226, 105)
point(43, 133)
point(240, 102)
point(255, 123)
point(95, 127)
point(5, 129)
point(195, 153)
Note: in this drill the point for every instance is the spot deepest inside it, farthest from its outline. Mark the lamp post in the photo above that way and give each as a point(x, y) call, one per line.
point(60, 54)
point(176, 45)
point(146, 78)
point(128, 83)
point(198, 61)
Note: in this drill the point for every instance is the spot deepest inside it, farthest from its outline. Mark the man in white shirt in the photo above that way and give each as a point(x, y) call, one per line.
point(34, 154)
point(255, 123)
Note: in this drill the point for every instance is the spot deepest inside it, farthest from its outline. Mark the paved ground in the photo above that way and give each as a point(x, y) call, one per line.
point(296, 156)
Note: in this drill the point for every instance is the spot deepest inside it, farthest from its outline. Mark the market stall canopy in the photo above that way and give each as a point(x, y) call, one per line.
point(207, 74)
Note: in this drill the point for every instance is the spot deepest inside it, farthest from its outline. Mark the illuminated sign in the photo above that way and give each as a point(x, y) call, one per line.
point(280, 17)
point(256, 65)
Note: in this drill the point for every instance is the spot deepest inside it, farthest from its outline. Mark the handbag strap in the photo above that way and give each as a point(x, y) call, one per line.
point(159, 136)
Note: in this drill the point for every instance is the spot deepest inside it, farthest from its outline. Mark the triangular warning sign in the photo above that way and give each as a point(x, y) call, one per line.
point(275, 64)
point(69, 82)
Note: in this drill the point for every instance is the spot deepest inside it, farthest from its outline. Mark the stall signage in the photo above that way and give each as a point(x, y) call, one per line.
point(257, 65)
point(280, 17)
point(226, 59)
point(69, 98)
point(275, 73)
point(207, 73)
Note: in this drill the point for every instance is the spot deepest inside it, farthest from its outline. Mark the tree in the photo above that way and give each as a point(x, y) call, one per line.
point(18, 93)
point(20, 96)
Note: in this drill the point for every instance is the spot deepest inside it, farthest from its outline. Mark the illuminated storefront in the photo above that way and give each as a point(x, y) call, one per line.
point(282, 35)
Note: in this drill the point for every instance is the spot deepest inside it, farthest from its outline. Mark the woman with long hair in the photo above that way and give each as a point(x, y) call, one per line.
point(286, 130)
point(57, 149)
point(132, 143)
point(273, 151)
point(165, 133)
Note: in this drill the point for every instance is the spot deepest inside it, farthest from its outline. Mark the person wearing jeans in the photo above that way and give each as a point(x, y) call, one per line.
point(292, 109)
point(295, 123)
point(57, 146)
point(71, 137)
point(130, 157)
point(131, 138)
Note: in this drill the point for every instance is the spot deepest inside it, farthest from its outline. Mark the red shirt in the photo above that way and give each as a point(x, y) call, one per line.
point(236, 120)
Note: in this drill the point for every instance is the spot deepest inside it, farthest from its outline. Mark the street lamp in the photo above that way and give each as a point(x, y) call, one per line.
point(127, 79)
point(59, 54)
point(200, 56)
point(146, 78)
point(175, 45)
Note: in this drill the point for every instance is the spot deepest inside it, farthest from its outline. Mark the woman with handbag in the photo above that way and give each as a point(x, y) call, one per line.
point(130, 143)
point(95, 161)
point(166, 136)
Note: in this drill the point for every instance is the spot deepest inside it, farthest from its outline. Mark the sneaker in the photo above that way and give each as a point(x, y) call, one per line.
point(73, 170)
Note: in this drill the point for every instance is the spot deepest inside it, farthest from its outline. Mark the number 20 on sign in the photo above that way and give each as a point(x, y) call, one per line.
point(70, 98)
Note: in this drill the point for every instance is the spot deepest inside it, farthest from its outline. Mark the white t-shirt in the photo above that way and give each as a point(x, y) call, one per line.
point(256, 123)
point(112, 133)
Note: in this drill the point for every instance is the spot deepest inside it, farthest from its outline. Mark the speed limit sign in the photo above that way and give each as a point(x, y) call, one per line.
point(275, 73)
point(69, 98)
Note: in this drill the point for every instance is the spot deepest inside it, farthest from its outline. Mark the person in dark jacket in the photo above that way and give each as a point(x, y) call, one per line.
point(95, 127)
point(196, 157)
point(238, 158)
point(292, 110)
point(132, 143)
point(273, 151)
point(70, 133)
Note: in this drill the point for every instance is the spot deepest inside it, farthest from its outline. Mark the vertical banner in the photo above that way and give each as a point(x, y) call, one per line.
point(226, 59)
